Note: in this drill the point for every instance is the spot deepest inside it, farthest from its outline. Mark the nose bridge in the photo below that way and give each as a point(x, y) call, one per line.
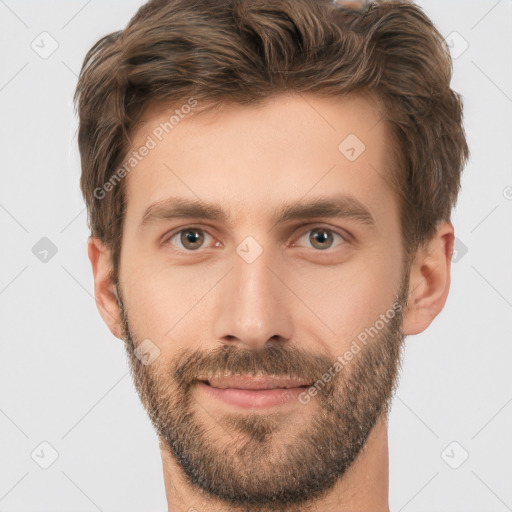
point(253, 308)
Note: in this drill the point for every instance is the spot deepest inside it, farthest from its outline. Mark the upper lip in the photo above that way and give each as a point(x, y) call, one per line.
point(254, 382)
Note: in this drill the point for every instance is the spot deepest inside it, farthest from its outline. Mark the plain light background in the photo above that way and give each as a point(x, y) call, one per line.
point(64, 378)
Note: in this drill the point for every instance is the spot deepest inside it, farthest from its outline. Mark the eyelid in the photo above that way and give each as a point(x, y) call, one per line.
point(346, 237)
point(171, 234)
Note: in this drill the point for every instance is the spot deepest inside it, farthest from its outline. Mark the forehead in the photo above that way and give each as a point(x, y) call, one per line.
point(253, 157)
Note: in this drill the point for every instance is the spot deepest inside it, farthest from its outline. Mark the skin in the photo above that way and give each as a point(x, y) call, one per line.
point(252, 160)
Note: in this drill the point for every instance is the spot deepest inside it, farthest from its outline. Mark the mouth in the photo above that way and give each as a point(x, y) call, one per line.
point(253, 392)
point(254, 382)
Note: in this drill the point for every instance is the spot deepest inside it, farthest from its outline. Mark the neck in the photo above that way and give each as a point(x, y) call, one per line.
point(363, 488)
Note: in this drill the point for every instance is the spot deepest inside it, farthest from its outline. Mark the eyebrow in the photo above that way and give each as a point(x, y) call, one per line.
point(341, 206)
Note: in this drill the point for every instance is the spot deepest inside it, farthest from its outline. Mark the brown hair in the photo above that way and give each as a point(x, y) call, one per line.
point(220, 51)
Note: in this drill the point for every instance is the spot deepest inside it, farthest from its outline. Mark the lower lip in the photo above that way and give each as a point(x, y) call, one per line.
point(251, 398)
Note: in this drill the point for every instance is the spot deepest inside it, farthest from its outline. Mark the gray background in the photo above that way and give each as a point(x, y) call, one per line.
point(64, 378)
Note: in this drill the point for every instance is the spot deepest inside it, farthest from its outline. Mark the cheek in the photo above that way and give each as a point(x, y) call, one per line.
point(350, 297)
point(163, 300)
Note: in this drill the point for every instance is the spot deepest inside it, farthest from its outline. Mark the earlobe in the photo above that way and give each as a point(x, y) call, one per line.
point(105, 291)
point(429, 282)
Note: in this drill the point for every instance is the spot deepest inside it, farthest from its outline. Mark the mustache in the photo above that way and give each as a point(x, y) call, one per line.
point(272, 360)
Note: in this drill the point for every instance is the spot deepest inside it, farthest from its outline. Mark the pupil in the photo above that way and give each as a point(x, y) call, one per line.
point(321, 236)
point(189, 238)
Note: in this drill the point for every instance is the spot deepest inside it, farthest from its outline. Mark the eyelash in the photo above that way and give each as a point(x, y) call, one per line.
point(344, 238)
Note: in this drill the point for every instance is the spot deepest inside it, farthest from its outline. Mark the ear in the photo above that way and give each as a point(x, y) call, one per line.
point(105, 291)
point(429, 282)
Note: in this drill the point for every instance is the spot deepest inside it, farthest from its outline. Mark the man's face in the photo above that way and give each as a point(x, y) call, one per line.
point(248, 293)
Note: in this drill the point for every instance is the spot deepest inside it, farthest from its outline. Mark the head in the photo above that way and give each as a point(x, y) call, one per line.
point(246, 128)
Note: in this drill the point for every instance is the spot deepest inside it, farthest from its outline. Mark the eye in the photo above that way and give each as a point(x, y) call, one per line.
point(193, 238)
point(322, 238)
point(190, 238)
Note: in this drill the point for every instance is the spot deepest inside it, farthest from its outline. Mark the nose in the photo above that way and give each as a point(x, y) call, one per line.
point(253, 305)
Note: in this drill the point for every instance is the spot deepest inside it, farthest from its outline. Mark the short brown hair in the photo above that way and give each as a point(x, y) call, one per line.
point(221, 51)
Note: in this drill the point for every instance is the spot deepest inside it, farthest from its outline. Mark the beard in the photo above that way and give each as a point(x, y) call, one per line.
point(259, 461)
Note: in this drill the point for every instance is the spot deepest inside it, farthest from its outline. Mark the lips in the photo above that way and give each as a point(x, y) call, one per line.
point(251, 382)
